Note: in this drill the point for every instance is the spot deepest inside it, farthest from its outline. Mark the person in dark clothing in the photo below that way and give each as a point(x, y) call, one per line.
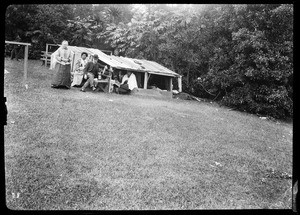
point(91, 69)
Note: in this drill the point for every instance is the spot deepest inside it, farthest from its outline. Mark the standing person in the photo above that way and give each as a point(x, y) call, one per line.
point(78, 73)
point(128, 83)
point(91, 70)
point(17, 50)
point(63, 67)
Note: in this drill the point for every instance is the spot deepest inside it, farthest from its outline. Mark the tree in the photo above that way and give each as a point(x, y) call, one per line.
point(85, 30)
point(38, 24)
point(253, 68)
point(51, 20)
point(82, 10)
point(18, 21)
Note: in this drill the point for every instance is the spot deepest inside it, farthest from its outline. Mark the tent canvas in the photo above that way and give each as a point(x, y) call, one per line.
point(76, 55)
point(124, 63)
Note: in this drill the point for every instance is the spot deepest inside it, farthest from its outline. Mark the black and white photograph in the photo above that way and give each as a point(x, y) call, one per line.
point(138, 107)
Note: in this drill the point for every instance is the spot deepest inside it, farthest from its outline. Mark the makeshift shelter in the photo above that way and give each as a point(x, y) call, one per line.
point(147, 72)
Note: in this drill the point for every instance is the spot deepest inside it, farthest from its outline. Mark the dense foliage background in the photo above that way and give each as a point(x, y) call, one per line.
point(240, 55)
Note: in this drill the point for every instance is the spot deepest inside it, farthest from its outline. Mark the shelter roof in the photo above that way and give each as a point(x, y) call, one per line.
point(125, 63)
point(142, 65)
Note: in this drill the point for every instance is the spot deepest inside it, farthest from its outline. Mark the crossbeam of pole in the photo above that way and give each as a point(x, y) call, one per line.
point(53, 44)
point(17, 43)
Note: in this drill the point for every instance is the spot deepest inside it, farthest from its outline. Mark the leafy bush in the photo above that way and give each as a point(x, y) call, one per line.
point(252, 70)
point(261, 100)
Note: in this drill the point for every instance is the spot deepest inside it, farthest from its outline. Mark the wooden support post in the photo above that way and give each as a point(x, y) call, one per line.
point(25, 65)
point(73, 61)
point(46, 55)
point(180, 84)
point(170, 85)
point(146, 80)
point(25, 58)
point(109, 84)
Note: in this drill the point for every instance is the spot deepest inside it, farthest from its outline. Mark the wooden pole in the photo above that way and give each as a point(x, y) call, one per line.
point(25, 66)
point(73, 61)
point(145, 80)
point(25, 58)
point(180, 84)
point(171, 85)
point(109, 84)
point(46, 55)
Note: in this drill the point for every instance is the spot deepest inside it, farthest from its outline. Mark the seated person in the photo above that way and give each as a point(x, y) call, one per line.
point(128, 83)
point(78, 72)
point(91, 69)
point(116, 75)
point(107, 71)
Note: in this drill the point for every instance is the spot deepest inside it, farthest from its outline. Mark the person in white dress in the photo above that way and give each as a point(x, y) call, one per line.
point(78, 71)
point(63, 57)
point(128, 83)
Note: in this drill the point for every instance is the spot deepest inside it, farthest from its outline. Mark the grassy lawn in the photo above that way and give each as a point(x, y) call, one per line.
point(65, 149)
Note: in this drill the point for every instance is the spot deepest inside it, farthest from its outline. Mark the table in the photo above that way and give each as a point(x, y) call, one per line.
point(105, 81)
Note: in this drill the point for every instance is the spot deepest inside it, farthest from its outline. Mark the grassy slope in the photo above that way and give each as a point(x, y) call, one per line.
point(72, 150)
